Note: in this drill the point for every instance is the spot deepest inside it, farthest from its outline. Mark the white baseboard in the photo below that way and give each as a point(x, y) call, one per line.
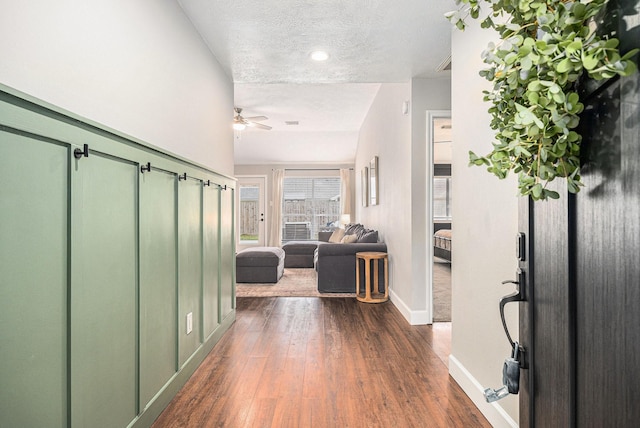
point(413, 317)
point(494, 413)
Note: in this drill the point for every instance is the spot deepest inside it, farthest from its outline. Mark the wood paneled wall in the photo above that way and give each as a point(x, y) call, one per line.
point(101, 262)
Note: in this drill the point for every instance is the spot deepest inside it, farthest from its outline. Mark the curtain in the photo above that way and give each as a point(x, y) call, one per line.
point(345, 192)
point(275, 219)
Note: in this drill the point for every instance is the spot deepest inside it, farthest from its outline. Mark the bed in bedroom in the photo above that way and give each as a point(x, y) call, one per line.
point(442, 244)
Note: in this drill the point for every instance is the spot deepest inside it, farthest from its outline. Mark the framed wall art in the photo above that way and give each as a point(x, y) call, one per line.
point(364, 186)
point(373, 182)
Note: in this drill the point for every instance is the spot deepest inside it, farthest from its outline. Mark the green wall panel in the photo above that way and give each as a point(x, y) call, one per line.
point(104, 292)
point(210, 280)
point(99, 265)
point(189, 265)
point(158, 282)
point(227, 252)
point(33, 284)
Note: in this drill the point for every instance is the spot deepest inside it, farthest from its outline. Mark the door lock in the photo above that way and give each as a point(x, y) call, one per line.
point(513, 364)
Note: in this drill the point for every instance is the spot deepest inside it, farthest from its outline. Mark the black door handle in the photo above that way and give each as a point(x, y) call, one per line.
point(518, 296)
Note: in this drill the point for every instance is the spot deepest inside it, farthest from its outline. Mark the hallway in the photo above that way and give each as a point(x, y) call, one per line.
point(323, 362)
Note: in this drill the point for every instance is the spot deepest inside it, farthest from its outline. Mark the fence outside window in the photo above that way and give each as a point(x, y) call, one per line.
point(309, 205)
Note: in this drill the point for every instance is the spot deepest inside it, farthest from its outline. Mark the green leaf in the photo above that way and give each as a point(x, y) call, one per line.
point(558, 97)
point(543, 154)
point(526, 63)
point(579, 10)
point(630, 68)
point(629, 54)
point(589, 62)
point(563, 66)
point(574, 47)
point(487, 23)
point(611, 43)
point(536, 191)
point(550, 194)
point(554, 89)
point(534, 85)
point(572, 186)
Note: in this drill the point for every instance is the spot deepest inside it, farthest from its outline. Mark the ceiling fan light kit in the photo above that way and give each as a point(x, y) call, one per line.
point(240, 122)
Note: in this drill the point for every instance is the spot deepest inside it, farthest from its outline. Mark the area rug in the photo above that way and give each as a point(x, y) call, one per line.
point(295, 282)
point(303, 283)
point(441, 291)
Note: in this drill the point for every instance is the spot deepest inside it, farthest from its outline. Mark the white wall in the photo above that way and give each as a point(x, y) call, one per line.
point(386, 133)
point(426, 94)
point(138, 67)
point(485, 225)
point(399, 141)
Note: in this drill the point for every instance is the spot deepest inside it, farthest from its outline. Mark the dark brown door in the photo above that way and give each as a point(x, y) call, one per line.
point(580, 325)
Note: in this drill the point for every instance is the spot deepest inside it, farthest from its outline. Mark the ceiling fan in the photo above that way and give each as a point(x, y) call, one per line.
point(239, 122)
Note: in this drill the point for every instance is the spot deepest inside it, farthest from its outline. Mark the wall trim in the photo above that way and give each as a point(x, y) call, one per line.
point(494, 412)
point(413, 317)
point(157, 405)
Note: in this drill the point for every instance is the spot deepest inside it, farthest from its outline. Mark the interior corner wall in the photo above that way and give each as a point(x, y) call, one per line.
point(485, 215)
point(386, 133)
point(399, 141)
point(138, 67)
point(426, 95)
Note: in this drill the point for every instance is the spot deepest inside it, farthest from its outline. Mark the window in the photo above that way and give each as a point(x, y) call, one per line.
point(442, 198)
point(309, 205)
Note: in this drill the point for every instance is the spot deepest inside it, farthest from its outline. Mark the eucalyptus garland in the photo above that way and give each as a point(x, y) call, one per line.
point(546, 45)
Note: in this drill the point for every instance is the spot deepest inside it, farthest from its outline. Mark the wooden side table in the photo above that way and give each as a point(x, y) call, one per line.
point(372, 295)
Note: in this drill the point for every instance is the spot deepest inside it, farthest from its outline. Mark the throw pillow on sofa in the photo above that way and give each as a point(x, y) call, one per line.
point(370, 236)
point(337, 236)
point(353, 229)
point(349, 239)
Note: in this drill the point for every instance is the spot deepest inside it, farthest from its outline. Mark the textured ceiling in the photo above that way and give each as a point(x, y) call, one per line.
point(265, 47)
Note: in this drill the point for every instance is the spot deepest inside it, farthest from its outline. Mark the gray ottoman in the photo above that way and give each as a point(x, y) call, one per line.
point(260, 265)
point(299, 254)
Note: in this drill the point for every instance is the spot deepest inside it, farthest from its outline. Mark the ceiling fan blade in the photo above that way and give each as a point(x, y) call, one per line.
point(256, 118)
point(258, 125)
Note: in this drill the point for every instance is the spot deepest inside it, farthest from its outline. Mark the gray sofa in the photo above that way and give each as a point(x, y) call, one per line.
point(336, 264)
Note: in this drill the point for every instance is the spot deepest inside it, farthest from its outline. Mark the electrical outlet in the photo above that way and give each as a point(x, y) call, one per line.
point(189, 322)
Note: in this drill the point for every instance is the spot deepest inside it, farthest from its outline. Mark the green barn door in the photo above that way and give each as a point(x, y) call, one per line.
point(33, 289)
point(210, 283)
point(103, 292)
point(189, 266)
point(227, 251)
point(158, 286)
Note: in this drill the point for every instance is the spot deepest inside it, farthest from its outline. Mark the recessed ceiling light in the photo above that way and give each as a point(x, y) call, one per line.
point(319, 56)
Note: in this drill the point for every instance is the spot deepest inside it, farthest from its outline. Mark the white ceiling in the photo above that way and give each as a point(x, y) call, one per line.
point(265, 47)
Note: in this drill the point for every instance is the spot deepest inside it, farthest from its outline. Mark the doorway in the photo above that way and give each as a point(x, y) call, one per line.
point(440, 216)
point(251, 215)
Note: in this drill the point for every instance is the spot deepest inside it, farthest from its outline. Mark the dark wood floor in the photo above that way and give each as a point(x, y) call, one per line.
point(323, 362)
